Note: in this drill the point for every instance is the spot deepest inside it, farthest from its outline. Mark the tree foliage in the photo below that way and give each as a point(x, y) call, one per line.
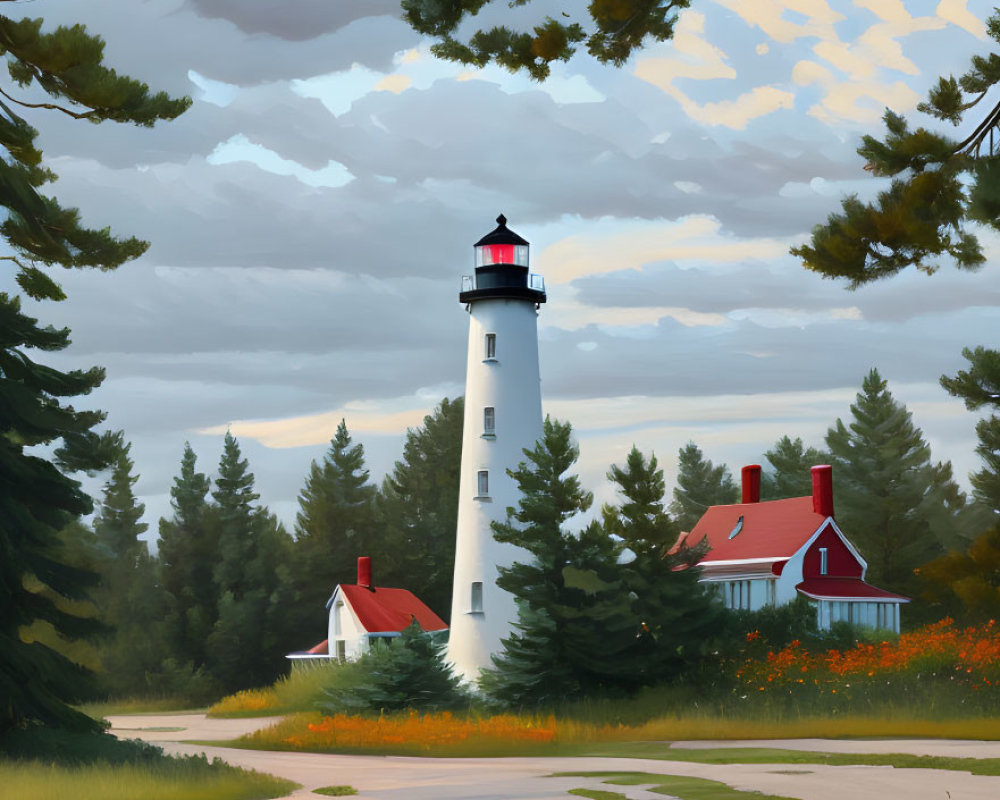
point(940, 186)
point(979, 387)
point(334, 526)
point(588, 621)
point(37, 498)
point(418, 507)
point(408, 672)
point(700, 484)
point(790, 473)
point(894, 504)
point(640, 520)
point(611, 30)
point(965, 585)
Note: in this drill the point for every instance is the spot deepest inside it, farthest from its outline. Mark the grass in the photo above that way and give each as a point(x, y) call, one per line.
point(767, 755)
point(139, 705)
point(678, 786)
point(168, 779)
point(298, 691)
point(460, 736)
point(336, 791)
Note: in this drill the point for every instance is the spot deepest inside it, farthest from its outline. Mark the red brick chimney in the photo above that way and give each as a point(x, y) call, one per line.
point(365, 572)
point(823, 490)
point(751, 483)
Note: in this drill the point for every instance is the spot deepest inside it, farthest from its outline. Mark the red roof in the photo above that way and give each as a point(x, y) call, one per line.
point(321, 649)
point(775, 529)
point(845, 589)
point(382, 610)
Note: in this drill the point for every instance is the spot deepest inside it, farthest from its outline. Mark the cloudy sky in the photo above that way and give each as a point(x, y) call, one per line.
point(311, 217)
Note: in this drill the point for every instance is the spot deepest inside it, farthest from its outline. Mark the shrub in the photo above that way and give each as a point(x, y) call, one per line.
point(407, 673)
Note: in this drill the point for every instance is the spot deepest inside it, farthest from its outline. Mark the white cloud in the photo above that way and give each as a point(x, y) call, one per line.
point(955, 12)
point(855, 100)
point(609, 245)
point(697, 59)
point(769, 16)
point(240, 148)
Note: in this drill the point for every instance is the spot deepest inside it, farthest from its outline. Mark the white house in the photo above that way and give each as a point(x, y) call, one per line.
point(768, 553)
point(363, 612)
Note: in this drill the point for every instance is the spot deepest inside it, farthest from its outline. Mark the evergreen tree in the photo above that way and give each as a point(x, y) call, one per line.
point(678, 618)
point(250, 577)
point(611, 29)
point(409, 672)
point(334, 526)
point(187, 555)
point(895, 505)
point(640, 521)
point(790, 474)
point(37, 499)
point(129, 599)
point(700, 484)
point(575, 626)
point(418, 509)
point(979, 387)
point(940, 187)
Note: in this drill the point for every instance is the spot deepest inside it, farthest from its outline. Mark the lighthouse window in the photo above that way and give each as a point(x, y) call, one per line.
point(491, 345)
point(484, 483)
point(822, 561)
point(489, 420)
point(476, 605)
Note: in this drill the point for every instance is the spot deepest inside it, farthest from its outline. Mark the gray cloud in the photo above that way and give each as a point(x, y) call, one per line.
point(296, 20)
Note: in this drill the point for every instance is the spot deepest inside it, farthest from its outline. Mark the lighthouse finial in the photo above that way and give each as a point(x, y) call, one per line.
point(502, 219)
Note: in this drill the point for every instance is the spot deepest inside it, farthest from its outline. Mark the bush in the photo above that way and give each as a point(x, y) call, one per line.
point(407, 673)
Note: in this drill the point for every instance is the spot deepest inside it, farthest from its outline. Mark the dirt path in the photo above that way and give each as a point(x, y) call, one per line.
point(396, 778)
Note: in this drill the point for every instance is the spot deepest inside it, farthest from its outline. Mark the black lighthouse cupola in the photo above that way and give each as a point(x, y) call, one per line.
point(502, 269)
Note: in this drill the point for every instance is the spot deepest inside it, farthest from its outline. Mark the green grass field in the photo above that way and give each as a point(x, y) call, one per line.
point(166, 780)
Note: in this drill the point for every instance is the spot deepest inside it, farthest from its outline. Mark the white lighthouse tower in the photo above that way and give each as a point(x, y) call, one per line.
point(503, 415)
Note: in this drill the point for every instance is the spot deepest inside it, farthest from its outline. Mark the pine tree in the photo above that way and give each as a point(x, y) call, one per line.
point(678, 619)
point(418, 508)
point(129, 599)
point(250, 575)
point(940, 187)
point(187, 555)
point(700, 484)
point(575, 625)
point(640, 521)
point(405, 673)
point(611, 29)
point(979, 387)
point(895, 505)
point(790, 474)
point(334, 526)
point(37, 499)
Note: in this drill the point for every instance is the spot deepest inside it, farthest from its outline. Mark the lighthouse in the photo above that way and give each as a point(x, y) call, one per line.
point(503, 415)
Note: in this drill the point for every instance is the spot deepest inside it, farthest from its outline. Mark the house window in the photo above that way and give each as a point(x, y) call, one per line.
point(822, 561)
point(338, 612)
point(491, 345)
point(483, 483)
point(476, 603)
point(489, 420)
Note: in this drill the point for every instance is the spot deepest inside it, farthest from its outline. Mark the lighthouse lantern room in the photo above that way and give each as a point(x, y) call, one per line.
point(503, 415)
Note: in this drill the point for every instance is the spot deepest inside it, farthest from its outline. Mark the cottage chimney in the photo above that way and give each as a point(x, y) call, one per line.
point(822, 477)
point(751, 483)
point(365, 572)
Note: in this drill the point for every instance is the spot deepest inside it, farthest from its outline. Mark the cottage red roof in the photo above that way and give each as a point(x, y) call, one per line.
point(845, 589)
point(383, 610)
point(321, 649)
point(775, 529)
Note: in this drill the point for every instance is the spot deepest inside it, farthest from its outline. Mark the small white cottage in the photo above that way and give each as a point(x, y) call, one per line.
point(362, 612)
point(767, 553)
